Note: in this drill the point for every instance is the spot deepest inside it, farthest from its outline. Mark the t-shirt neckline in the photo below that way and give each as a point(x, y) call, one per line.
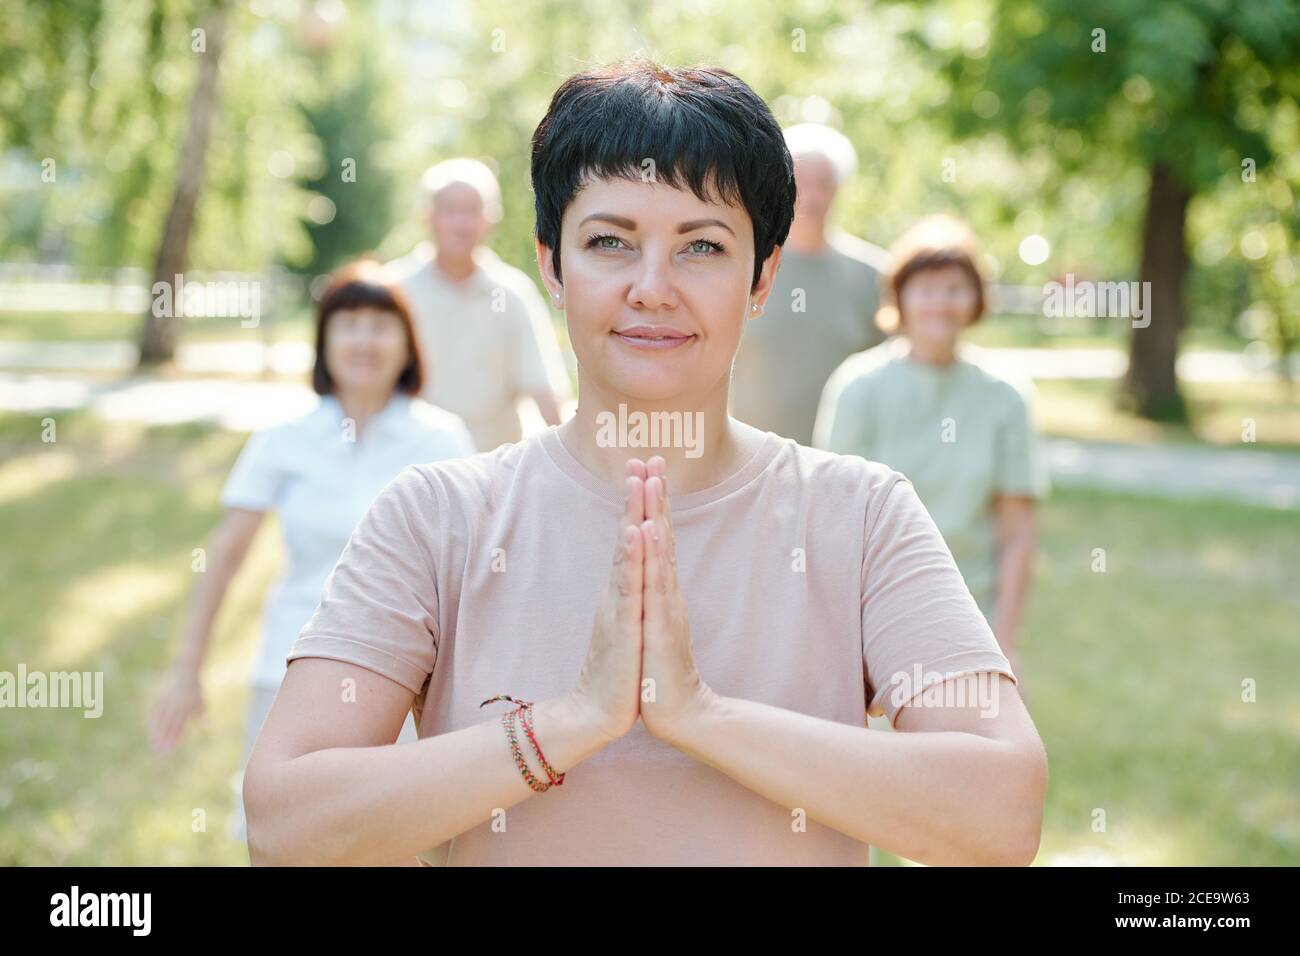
point(964, 357)
point(574, 469)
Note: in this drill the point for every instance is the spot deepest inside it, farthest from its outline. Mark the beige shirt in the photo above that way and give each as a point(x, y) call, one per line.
point(488, 341)
point(822, 309)
point(812, 580)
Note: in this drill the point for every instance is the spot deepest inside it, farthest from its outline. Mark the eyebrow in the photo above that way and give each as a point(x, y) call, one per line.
point(624, 223)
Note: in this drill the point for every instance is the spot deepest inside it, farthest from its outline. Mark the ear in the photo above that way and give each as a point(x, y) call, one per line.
point(766, 278)
point(546, 267)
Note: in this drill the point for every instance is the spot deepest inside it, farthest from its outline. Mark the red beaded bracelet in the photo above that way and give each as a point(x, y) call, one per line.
point(551, 775)
point(508, 722)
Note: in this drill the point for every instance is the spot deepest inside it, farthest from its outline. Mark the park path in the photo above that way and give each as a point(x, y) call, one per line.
point(1254, 476)
point(289, 358)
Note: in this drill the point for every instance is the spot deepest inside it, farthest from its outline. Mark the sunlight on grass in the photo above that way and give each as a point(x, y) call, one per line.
point(1086, 410)
point(28, 474)
point(92, 609)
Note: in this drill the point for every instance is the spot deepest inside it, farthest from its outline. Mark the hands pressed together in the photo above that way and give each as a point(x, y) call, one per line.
point(640, 661)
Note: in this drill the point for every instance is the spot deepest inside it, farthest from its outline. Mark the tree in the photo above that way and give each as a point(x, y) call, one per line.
point(158, 334)
point(1181, 88)
point(105, 94)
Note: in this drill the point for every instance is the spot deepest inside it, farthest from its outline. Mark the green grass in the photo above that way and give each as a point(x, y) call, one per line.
point(1027, 331)
point(1086, 409)
point(1134, 675)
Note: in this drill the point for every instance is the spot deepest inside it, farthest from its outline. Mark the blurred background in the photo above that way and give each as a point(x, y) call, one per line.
point(143, 138)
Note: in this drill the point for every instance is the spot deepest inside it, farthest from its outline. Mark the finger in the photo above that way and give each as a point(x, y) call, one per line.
point(656, 507)
point(628, 519)
point(658, 468)
point(163, 729)
point(634, 503)
point(655, 582)
point(635, 466)
point(668, 520)
point(162, 739)
point(630, 579)
point(653, 497)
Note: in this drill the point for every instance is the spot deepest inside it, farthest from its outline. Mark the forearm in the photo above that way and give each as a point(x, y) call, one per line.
point(205, 603)
point(377, 805)
point(1015, 569)
point(938, 798)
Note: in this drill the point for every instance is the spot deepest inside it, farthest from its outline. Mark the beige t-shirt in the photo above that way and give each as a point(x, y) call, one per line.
point(488, 341)
point(811, 580)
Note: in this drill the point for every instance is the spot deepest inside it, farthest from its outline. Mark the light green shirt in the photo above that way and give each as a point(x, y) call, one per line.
point(962, 434)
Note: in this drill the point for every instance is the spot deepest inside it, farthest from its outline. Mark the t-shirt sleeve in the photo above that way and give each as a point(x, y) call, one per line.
point(379, 606)
point(843, 424)
point(255, 480)
point(920, 624)
point(1021, 467)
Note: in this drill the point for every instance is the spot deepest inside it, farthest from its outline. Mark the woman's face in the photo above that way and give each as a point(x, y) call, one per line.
point(656, 288)
point(936, 304)
point(365, 349)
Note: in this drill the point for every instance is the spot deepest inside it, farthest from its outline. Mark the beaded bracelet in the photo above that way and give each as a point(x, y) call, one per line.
point(527, 715)
point(508, 722)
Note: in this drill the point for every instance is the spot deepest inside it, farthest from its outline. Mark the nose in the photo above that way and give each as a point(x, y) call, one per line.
point(653, 287)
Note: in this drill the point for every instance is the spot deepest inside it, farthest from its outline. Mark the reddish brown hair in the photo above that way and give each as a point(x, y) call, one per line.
point(935, 242)
point(361, 285)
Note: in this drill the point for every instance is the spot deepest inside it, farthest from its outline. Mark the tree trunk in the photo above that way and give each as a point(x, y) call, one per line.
point(158, 336)
point(1151, 384)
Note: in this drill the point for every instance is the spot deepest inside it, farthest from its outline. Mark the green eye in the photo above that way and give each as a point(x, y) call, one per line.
point(705, 246)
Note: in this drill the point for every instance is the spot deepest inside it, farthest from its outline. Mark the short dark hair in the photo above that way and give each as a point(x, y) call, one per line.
point(702, 126)
point(361, 285)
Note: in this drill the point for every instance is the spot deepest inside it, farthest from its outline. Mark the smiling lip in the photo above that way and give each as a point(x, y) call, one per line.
point(653, 337)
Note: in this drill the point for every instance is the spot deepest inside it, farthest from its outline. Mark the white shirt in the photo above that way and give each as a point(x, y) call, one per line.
point(321, 479)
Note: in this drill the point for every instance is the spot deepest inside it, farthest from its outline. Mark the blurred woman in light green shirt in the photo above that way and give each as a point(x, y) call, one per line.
point(927, 405)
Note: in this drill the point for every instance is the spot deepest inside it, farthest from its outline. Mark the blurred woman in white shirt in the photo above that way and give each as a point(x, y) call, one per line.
point(319, 472)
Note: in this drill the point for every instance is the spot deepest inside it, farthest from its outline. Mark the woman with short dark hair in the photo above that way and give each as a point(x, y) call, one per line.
point(688, 671)
point(319, 472)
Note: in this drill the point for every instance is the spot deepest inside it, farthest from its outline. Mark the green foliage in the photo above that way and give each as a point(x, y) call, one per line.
point(1001, 112)
point(1090, 95)
point(353, 115)
point(104, 92)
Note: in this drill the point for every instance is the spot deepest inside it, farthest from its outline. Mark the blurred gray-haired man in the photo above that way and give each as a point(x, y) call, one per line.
point(823, 303)
point(485, 329)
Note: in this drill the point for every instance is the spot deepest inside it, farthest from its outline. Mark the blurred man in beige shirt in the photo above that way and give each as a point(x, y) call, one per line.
point(486, 330)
